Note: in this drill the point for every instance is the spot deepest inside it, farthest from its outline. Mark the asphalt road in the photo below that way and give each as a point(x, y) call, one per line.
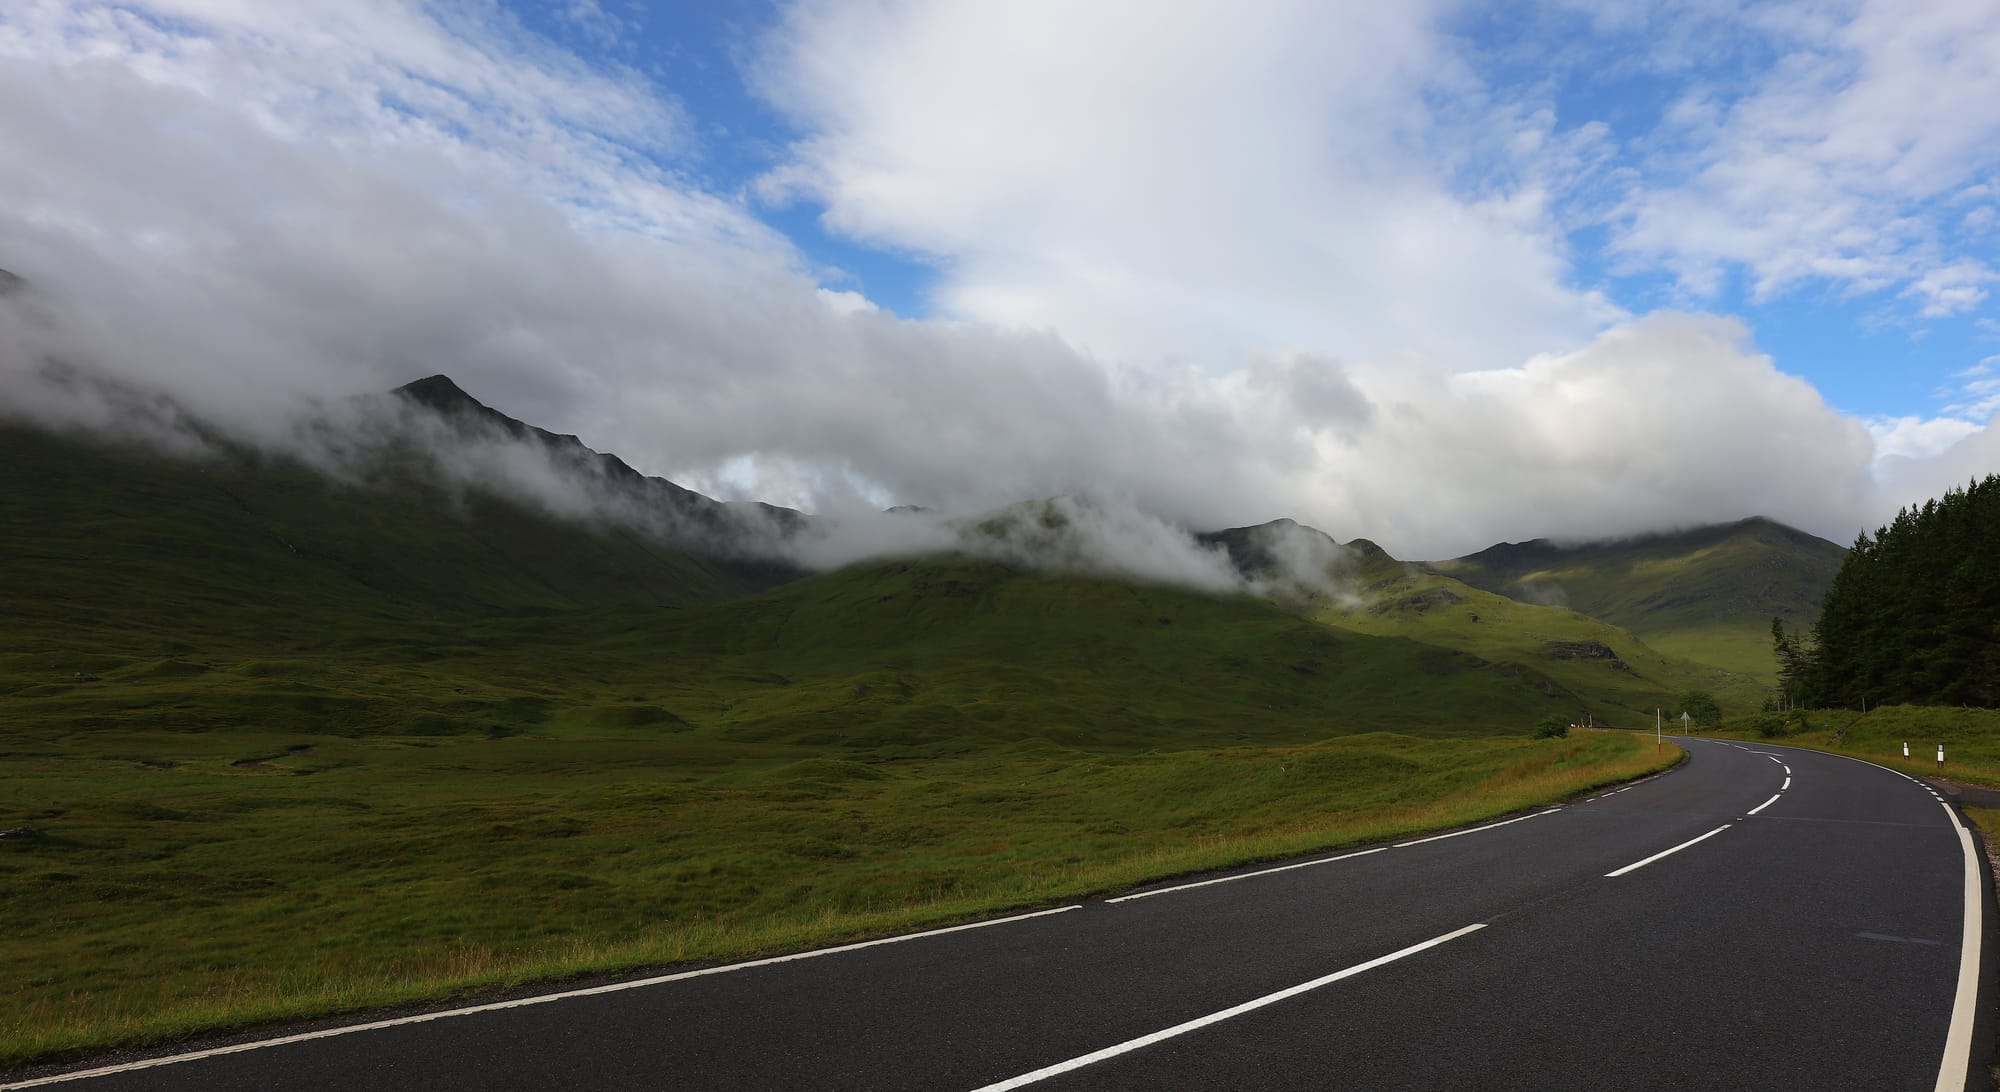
point(1807, 935)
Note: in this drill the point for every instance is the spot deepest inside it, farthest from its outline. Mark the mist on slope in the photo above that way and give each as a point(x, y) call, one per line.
point(353, 441)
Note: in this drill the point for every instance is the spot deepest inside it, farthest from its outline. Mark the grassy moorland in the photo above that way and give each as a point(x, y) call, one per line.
point(190, 881)
point(277, 747)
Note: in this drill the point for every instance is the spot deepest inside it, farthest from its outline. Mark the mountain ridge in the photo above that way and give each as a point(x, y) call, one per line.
point(1702, 595)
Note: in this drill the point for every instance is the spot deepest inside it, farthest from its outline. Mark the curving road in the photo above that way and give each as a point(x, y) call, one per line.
point(1761, 918)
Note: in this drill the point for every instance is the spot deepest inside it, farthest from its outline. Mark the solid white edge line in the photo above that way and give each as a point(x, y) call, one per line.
point(519, 1002)
point(1786, 785)
point(1474, 830)
point(1246, 875)
point(1765, 804)
point(1130, 1045)
point(1668, 852)
point(1957, 1061)
point(1956, 1065)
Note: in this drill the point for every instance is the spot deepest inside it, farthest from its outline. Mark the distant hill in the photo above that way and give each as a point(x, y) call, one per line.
point(1707, 594)
point(1615, 675)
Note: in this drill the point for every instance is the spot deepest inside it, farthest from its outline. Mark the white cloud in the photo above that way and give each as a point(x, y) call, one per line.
point(1194, 186)
point(1978, 397)
point(458, 89)
point(1950, 289)
point(1670, 421)
point(1917, 437)
point(226, 206)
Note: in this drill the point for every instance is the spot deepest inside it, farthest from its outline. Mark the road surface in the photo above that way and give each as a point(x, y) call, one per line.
point(1760, 918)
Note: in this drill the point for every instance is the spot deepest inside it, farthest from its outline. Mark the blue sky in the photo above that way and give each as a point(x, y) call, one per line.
point(696, 55)
point(1435, 273)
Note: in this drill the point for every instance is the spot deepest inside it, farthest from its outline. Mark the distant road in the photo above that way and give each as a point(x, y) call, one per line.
point(1761, 918)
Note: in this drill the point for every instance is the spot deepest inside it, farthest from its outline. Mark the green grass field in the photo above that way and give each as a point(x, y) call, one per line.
point(189, 881)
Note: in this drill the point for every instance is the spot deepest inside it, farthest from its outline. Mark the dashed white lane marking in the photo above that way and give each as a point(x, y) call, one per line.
point(1634, 866)
point(1199, 1022)
point(1953, 1069)
point(517, 1003)
point(1765, 804)
point(1475, 830)
point(1246, 875)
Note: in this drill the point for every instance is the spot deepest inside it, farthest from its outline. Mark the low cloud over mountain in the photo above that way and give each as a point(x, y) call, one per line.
point(222, 226)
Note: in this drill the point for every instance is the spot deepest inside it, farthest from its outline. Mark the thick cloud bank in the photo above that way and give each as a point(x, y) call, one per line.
point(204, 213)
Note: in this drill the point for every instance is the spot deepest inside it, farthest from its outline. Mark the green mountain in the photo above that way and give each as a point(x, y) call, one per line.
point(96, 537)
point(389, 601)
point(245, 590)
point(1707, 594)
point(1615, 675)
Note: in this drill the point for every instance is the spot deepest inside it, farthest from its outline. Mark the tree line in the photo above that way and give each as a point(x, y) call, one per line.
point(1913, 616)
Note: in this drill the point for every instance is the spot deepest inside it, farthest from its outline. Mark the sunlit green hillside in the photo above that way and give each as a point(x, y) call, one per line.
point(1708, 594)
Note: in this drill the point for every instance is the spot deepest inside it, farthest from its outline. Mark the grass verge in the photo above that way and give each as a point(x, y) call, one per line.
point(1971, 738)
point(177, 884)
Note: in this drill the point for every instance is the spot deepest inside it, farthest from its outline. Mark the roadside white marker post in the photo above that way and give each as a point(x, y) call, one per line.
point(1940, 756)
point(1906, 748)
point(1656, 729)
point(1684, 722)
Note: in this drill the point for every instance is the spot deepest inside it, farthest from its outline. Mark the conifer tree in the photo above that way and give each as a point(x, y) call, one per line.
point(1913, 615)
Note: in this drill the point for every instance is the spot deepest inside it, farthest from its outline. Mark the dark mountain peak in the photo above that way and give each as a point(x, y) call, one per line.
point(446, 398)
point(439, 392)
point(1251, 548)
point(704, 525)
point(11, 282)
point(450, 401)
point(1366, 550)
point(1769, 530)
point(1508, 555)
